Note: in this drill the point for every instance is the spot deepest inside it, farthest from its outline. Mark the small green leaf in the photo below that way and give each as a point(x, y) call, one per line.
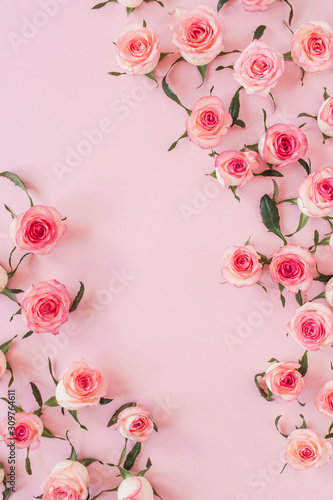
point(88, 461)
point(17, 181)
point(203, 72)
point(277, 426)
point(252, 147)
point(174, 144)
point(239, 123)
point(7, 345)
point(100, 5)
point(276, 191)
point(273, 360)
point(170, 93)
point(287, 56)
point(259, 32)
point(303, 219)
point(303, 426)
point(105, 401)
point(163, 55)
point(51, 372)
point(27, 462)
point(304, 364)
point(36, 393)
point(273, 100)
point(270, 216)
point(325, 138)
point(326, 94)
point(298, 297)
point(124, 473)
point(269, 173)
point(282, 298)
point(15, 314)
point(131, 457)
point(234, 189)
point(234, 107)
point(48, 434)
point(285, 465)
point(115, 73)
point(78, 298)
point(212, 174)
point(265, 119)
point(323, 278)
point(220, 4)
point(143, 472)
point(10, 211)
point(8, 293)
point(144, 24)
point(156, 494)
point(27, 334)
point(11, 380)
point(262, 286)
point(305, 165)
point(123, 453)
point(151, 76)
point(230, 52)
point(307, 115)
point(73, 455)
point(74, 415)
point(114, 417)
point(129, 10)
point(52, 402)
point(11, 274)
point(266, 395)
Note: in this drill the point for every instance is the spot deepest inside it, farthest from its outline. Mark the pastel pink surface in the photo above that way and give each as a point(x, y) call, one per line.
point(155, 317)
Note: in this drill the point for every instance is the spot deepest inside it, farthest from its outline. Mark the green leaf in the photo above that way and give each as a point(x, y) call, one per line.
point(230, 52)
point(15, 314)
point(36, 393)
point(273, 100)
point(17, 181)
point(291, 14)
point(10, 211)
point(51, 372)
point(11, 380)
point(129, 10)
point(303, 219)
point(252, 147)
point(303, 426)
point(155, 427)
point(325, 138)
point(105, 401)
point(27, 334)
point(301, 404)
point(174, 144)
point(203, 72)
point(276, 191)
point(212, 174)
point(304, 364)
point(28, 463)
point(88, 461)
point(73, 455)
point(114, 417)
point(100, 5)
point(78, 298)
point(74, 415)
point(239, 123)
point(277, 426)
point(163, 55)
point(7, 345)
point(156, 494)
point(144, 24)
point(266, 395)
point(151, 76)
point(8, 293)
point(285, 465)
point(330, 427)
point(282, 298)
point(131, 457)
point(307, 114)
point(323, 278)
point(234, 107)
point(234, 189)
point(52, 402)
point(269, 173)
point(220, 4)
point(143, 472)
point(287, 56)
point(124, 473)
point(123, 453)
point(298, 297)
point(320, 296)
point(259, 32)
point(270, 216)
point(162, 5)
point(305, 165)
point(273, 360)
point(265, 119)
point(115, 73)
point(262, 286)
point(326, 94)
point(170, 93)
point(48, 434)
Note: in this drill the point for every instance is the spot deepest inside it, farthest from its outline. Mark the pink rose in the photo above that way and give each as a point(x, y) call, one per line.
point(198, 34)
point(209, 121)
point(282, 145)
point(258, 68)
point(311, 326)
point(315, 194)
point(135, 488)
point(138, 49)
point(325, 117)
point(68, 481)
point(312, 47)
point(2, 473)
point(131, 4)
point(324, 399)
point(244, 268)
point(134, 423)
point(306, 450)
point(329, 290)
point(284, 380)
point(80, 385)
point(37, 230)
point(3, 278)
point(28, 429)
point(234, 168)
point(290, 267)
point(256, 5)
point(45, 306)
point(3, 364)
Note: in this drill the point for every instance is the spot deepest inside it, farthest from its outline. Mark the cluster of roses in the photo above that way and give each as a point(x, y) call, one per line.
point(45, 306)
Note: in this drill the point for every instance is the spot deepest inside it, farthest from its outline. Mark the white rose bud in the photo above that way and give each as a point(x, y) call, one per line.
point(3, 278)
point(138, 487)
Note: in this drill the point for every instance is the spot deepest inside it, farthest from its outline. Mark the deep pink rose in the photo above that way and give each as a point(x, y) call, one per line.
point(28, 429)
point(325, 117)
point(312, 47)
point(324, 399)
point(306, 450)
point(45, 306)
point(244, 268)
point(138, 49)
point(235, 168)
point(259, 68)
point(312, 326)
point(315, 194)
point(284, 380)
point(37, 230)
point(134, 423)
point(68, 481)
point(197, 33)
point(256, 5)
point(209, 121)
point(290, 267)
point(282, 144)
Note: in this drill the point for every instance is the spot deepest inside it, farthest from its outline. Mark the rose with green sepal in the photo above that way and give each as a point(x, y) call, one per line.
point(4, 364)
point(312, 326)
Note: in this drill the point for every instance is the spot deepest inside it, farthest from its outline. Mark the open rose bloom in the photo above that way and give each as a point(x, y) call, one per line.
point(256, 5)
point(259, 68)
point(324, 399)
point(135, 488)
point(138, 49)
point(80, 385)
point(325, 117)
point(235, 168)
point(312, 47)
point(68, 481)
point(291, 267)
point(311, 326)
point(282, 145)
point(3, 278)
point(131, 4)
point(197, 33)
point(315, 194)
point(134, 423)
point(37, 230)
point(28, 429)
point(209, 121)
point(45, 306)
point(284, 380)
point(244, 268)
point(3, 364)
point(306, 450)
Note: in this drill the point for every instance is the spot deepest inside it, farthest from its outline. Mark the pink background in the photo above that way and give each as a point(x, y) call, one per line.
point(159, 332)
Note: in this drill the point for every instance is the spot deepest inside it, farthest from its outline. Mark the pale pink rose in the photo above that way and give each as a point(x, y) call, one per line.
point(80, 385)
point(45, 306)
point(259, 68)
point(244, 268)
point(28, 429)
point(135, 488)
point(198, 34)
point(284, 380)
point(312, 47)
point(2, 473)
point(315, 194)
point(131, 4)
point(68, 481)
point(311, 326)
point(3, 364)
point(329, 290)
point(3, 278)
point(256, 5)
point(282, 144)
point(235, 168)
point(209, 121)
point(291, 266)
point(37, 230)
point(325, 117)
point(134, 423)
point(324, 399)
point(306, 450)
point(138, 49)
